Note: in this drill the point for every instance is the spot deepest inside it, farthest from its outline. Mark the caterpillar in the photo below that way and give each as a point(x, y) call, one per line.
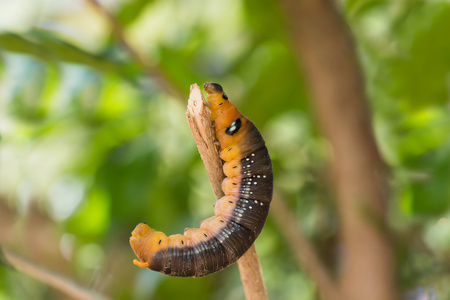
point(239, 216)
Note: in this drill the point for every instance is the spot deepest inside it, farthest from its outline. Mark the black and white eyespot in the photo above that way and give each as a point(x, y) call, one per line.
point(234, 127)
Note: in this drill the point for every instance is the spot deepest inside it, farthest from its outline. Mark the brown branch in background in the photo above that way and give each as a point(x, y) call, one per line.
point(303, 250)
point(155, 73)
point(52, 279)
point(199, 120)
point(328, 58)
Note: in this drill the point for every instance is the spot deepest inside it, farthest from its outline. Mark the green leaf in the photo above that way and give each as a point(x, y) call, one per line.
point(421, 72)
point(132, 10)
point(49, 47)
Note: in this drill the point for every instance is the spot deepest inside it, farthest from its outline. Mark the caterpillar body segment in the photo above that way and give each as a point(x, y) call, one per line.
point(239, 215)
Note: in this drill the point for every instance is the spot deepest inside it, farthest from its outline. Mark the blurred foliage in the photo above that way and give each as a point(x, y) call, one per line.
point(91, 145)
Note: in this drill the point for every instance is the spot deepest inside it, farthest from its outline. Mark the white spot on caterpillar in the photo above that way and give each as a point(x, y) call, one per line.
point(232, 128)
point(253, 154)
point(250, 207)
point(255, 182)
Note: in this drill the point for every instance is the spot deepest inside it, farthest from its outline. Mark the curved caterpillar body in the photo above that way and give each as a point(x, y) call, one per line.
point(239, 215)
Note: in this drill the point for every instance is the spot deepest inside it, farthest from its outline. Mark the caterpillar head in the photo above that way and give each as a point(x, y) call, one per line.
point(213, 88)
point(215, 92)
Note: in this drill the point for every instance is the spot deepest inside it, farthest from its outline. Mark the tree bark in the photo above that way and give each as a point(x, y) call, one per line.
point(327, 56)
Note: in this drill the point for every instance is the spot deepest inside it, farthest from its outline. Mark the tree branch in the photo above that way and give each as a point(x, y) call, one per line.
point(52, 279)
point(155, 73)
point(199, 119)
point(303, 250)
point(329, 60)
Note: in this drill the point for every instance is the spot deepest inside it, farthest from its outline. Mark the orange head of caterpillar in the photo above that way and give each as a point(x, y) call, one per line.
point(145, 242)
point(217, 99)
point(214, 88)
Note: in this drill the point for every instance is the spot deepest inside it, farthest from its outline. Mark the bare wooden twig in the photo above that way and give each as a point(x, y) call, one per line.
point(251, 275)
point(52, 279)
point(199, 120)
